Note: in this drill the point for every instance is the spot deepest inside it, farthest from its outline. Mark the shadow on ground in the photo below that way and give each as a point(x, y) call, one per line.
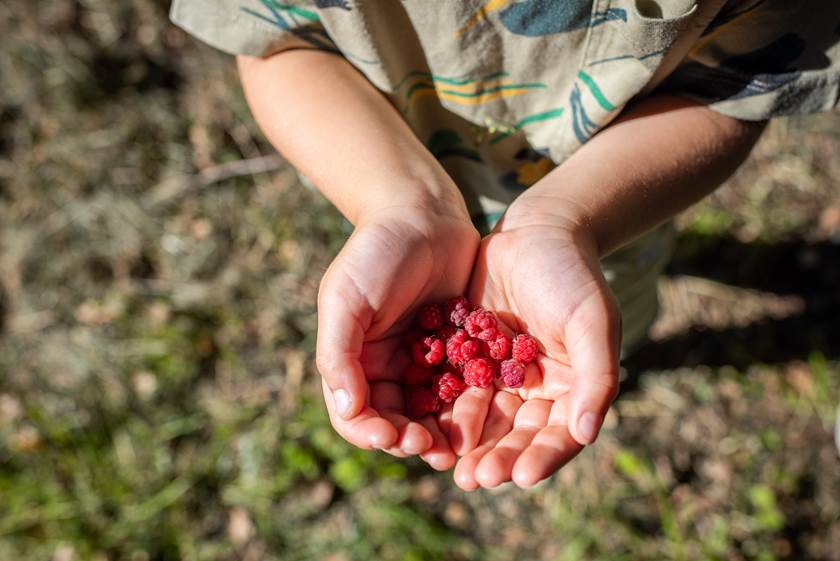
point(807, 270)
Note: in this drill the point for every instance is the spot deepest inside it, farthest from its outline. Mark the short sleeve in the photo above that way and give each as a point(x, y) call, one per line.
point(252, 27)
point(765, 58)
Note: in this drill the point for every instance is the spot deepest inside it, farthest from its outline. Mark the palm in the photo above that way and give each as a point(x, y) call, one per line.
point(538, 281)
point(368, 300)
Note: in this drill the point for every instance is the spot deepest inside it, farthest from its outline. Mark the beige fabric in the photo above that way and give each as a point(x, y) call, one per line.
point(501, 91)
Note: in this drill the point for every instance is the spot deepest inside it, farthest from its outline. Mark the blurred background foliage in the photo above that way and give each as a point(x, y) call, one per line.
point(158, 272)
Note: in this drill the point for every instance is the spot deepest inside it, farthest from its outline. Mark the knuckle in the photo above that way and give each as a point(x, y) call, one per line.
point(608, 385)
point(326, 364)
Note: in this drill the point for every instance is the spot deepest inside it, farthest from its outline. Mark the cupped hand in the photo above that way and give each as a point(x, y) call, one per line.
point(542, 277)
point(397, 259)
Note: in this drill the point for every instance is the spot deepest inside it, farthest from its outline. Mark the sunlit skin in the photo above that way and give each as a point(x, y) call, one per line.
point(414, 244)
point(413, 241)
point(523, 434)
point(368, 301)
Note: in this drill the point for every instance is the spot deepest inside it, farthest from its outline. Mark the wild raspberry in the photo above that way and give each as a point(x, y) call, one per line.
point(513, 373)
point(460, 348)
point(489, 334)
point(478, 321)
point(499, 348)
point(421, 401)
point(428, 352)
point(457, 310)
point(453, 345)
point(417, 375)
point(524, 348)
point(445, 332)
point(479, 372)
point(449, 387)
point(412, 336)
point(430, 317)
point(470, 349)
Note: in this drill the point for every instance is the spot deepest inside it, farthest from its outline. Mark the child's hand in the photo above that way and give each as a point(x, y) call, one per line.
point(396, 260)
point(541, 276)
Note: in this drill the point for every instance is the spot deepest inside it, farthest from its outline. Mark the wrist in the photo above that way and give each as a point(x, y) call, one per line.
point(420, 199)
point(565, 217)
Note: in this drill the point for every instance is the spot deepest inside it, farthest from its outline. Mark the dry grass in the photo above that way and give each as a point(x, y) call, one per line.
point(157, 396)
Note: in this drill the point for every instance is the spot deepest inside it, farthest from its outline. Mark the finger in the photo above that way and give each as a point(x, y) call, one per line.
point(444, 422)
point(413, 438)
point(389, 400)
point(499, 422)
point(546, 378)
point(496, 467)
point(468, 414)
point(593, 337)
point(550, 449)
point(366, 430)
point(439, 455)
point(343, 317)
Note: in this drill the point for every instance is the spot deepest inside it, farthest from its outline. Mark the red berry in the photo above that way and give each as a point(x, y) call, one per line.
point(449, 387)
point(499, 348)
point(428, 352)
point(412, 337)
point(430, 317)
point(445, 332)
point(453, 346)
point(489, 334)
point(524, 348)
point(417, 375)
point(460, 348)
point(479, 372)
point(513, 373)
point(421, 401)
point(478, 321)
point(457, 310)
point(456, 302)
point(469, 349)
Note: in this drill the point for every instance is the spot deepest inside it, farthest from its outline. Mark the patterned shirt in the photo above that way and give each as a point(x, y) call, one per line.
point(501, 91)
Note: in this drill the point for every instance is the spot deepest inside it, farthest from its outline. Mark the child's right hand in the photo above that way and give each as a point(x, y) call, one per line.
point(397, 259)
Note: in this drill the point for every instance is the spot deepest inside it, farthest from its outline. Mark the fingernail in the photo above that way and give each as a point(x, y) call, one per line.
point(588, 426)
point(342, 403)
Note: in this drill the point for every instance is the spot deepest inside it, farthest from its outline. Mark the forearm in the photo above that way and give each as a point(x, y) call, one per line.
point(340, 132)
point(661, 156)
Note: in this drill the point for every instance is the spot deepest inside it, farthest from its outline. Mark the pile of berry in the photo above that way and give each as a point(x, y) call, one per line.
point(456, 346)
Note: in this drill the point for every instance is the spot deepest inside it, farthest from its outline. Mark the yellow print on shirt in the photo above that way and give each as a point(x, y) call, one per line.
point(463, 91)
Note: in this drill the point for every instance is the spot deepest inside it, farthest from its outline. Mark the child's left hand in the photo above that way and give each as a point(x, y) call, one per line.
point(541, 276)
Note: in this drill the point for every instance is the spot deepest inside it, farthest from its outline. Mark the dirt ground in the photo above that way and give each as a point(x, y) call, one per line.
point(158, 272)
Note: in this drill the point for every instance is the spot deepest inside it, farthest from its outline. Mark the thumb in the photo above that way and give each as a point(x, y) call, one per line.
point(593, 339)
point(341, 331)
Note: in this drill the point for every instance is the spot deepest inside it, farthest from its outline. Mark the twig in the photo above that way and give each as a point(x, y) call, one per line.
point(172, 190)
point(251, 166)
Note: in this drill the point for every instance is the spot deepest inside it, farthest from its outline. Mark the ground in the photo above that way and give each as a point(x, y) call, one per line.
point(158, 272)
